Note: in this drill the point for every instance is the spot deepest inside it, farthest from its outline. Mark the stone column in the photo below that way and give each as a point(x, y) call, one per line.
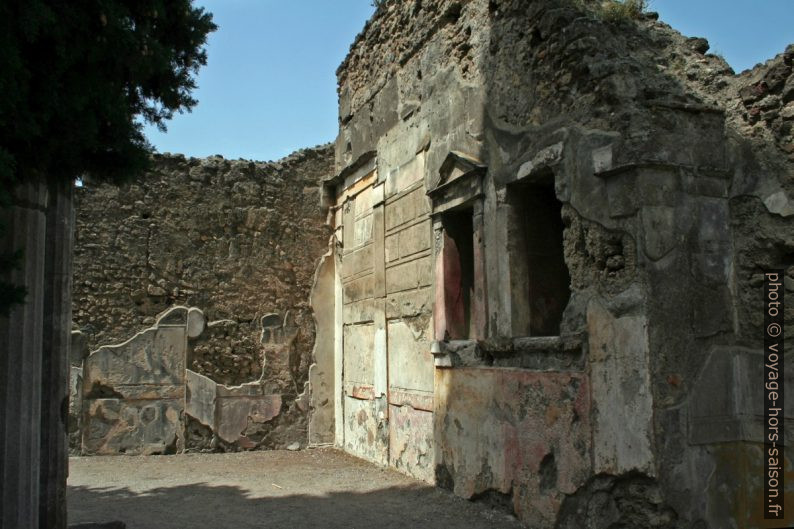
point(21, 334)
point(34, 346)
point(55, 358)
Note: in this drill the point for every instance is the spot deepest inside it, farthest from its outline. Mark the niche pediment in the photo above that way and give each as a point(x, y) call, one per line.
point(459, 183)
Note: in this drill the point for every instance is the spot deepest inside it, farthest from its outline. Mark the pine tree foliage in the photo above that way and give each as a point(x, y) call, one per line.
point(79, 78)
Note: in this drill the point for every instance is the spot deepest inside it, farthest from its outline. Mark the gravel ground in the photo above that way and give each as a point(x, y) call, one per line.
point(321, 488)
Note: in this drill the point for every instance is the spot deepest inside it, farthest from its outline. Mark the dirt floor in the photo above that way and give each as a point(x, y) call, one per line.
point(321, 488)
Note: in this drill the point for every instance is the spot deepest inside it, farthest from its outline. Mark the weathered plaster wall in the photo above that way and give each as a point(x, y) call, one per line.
point(402, 65)
point(675, 182)
point(322, 374)
point(240, 240)
point(521, 434)
point(133, 398)
point(139, 398)
point(385, 276)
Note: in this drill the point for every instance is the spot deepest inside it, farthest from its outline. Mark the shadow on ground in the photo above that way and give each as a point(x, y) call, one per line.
point(205, 506)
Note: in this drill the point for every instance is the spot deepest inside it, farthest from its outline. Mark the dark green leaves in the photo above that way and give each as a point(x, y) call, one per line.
point(77, 77)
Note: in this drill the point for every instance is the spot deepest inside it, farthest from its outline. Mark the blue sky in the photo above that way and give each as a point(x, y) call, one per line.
point(269, 87)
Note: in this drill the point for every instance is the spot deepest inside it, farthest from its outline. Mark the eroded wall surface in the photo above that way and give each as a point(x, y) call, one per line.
point(138, 397)
point(239, 240)
point(384, 229)
point(133, 398)
point(672, 180)
point(518, 434)
point(385, 321)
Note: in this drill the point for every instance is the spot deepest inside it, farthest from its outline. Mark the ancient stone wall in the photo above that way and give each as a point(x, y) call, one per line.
point(550, 221)
point(399, 89)
point(240, 241)
point(460, 124)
